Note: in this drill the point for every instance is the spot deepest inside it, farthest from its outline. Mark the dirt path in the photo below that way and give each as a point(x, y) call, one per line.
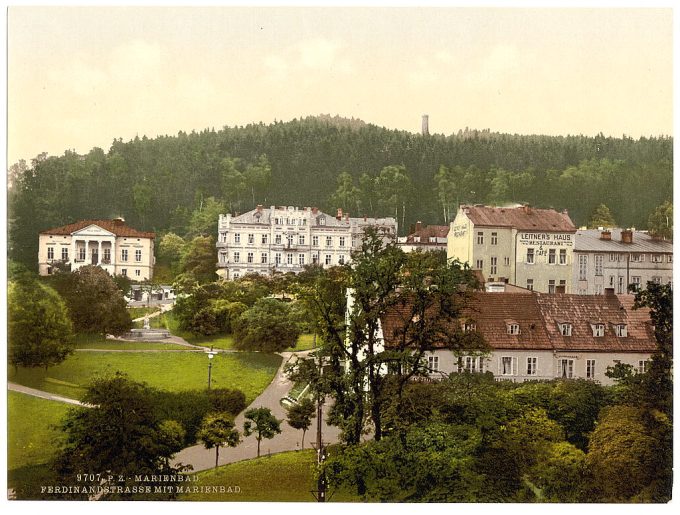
point(43, 395)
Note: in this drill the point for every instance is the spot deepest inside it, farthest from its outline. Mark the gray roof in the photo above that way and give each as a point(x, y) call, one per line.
point(589, 240)
point(264, 216)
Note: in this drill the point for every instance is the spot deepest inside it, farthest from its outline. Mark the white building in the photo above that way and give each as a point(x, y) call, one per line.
point(285, 239)
point(525, 246)
point(110, 244)
point(425, 238)
point(617, 258)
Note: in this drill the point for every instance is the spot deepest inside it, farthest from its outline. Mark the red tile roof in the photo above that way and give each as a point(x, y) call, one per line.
point(428, 231)
point(538, 316)
point(117, 227)
point(521, 218)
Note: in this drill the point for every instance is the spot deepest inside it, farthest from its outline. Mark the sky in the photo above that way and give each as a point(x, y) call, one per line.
point(78, 77)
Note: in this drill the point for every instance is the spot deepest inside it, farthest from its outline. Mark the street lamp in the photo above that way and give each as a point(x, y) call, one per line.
point(211, 355)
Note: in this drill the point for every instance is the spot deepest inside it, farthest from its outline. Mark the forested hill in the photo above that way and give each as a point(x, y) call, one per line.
point(168, 183)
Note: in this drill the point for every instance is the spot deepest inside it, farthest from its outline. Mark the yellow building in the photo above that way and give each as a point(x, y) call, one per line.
point(528, 247)
point(110, 244)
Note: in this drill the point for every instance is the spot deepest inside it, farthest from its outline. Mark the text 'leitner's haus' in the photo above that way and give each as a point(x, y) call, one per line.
point(525, 246)
point(285, 239)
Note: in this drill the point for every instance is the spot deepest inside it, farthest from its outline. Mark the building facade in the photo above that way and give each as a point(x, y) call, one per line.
point(285, 239)
point(425, 238)
point(525, 246)
point(534, 336)
point(617, 258)
point(110, 244)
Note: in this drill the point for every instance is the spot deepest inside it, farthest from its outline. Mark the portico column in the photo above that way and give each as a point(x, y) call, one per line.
point(114, 258)
point(87, 252)
point(73, 256)
point(99, 251)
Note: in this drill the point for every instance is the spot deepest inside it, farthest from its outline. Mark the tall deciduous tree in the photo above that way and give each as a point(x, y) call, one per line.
point(268, 326)
point(300, 416)
point(217, 430)
point(204, 219)
point(346, 195)
point(394, 188)
point(601, 217)
point(258, 175)
point(199, 260)
point(262, 423)
point(40, 333)
point(660, 222)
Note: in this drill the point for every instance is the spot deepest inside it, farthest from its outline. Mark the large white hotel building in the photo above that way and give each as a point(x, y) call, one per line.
point(285, 239)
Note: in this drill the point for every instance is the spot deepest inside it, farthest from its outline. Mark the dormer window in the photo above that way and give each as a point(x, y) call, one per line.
point(621, 330)
point(468, 327)
point(513, 328)
point(322, 220)
point(565, 329)
point(598, 330)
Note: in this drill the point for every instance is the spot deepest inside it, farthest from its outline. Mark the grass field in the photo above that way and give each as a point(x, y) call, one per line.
point(250, 372)
point(140, 312)
point(31, 438)
point(283, 477)
point(90, 341)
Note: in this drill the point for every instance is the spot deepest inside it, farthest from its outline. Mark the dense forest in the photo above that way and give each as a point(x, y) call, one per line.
point(173, 183)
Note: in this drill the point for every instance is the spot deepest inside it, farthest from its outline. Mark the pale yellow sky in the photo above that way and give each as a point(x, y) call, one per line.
point(80, 77)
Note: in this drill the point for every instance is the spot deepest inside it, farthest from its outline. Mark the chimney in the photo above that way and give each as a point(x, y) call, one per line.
point(527, 209)
point(606, 235)
point(346, 217)
point(315, 210)
point(609, 292)
point(259, 208)
point(119, 220)
point(419, 226)
point(339, 215)
point(627, 236)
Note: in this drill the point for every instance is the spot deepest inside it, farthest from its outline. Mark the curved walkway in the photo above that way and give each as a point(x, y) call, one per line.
point(43, 395)
point(290, 439)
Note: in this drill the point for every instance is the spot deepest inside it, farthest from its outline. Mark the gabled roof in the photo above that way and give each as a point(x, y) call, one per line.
point(428, 231)
point(523, 218)
point(116, 227)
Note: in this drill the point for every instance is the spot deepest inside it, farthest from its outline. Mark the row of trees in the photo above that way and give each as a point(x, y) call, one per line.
point(177, 184)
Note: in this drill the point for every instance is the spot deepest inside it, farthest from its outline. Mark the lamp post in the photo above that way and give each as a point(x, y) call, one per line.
point(211, 355)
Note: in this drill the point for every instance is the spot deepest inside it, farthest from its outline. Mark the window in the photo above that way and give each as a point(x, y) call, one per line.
point(590, 369)
point(328, 259)
point(277, 258)
point(237, 237)
point(329, 241)
point(123, 272)
point(507, 368)
point(656, 279)
point(532, 366)
point(494, 238)
point(263, 258)
point(315, 241)
point(223, 237)
point(657, 258)
point(611, 281)
point(251, 239)
point(289, 259)
point(530, 255)
point(582, 267)
point(81, 254)
point(223, 257)
point(480, 238)
point(123, 255)
point(107, 255)
point(599, 263)
point(469, 326)
point(643, 366)
point(598, 289)
point(530, 284)
point(669, 258)
point(342, 241)
point(506, 261)
point(277, 239)
point(513, 328)
point(433, 363)
point(613, 257)
point(322, 221)
point(598, 330)
point(565, 368)
point(551, 256)
point(635, 282)
point(635, 257)
point(480, 263)
point(470, 364)
point(236, 275)
point(289, 239)
point(50, 252)
point(237, 257)
point(621, 330)
point(494, 266)
point(138, 255)
point(264, 239)
point(341, 259)
point(301, 259)
point(64, 253)
point(301, 239)
point(620, 288)
point(137, 273)
point(551, 286)
point(565, 329)
point(251, 256)
point(563, 256)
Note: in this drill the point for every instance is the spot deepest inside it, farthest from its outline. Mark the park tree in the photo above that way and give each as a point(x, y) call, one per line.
point(660, 222)
point(601, 217)
point(262, 423)
point(267, 327)
point(95, 303)
point(199, 259)
point(131, 439)
point(217, 430)
point(39, 330)
point(346, 195)
point(205, 218)
point(561, 473)
point(394, 189)
point(170, 252)
point(300, 416)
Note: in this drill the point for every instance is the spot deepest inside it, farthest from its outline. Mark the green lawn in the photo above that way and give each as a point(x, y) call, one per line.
point(250, 372)
point(305, 342)
point(89, 341)
point(32, 438)
point(283, 477)
point(140, 312)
